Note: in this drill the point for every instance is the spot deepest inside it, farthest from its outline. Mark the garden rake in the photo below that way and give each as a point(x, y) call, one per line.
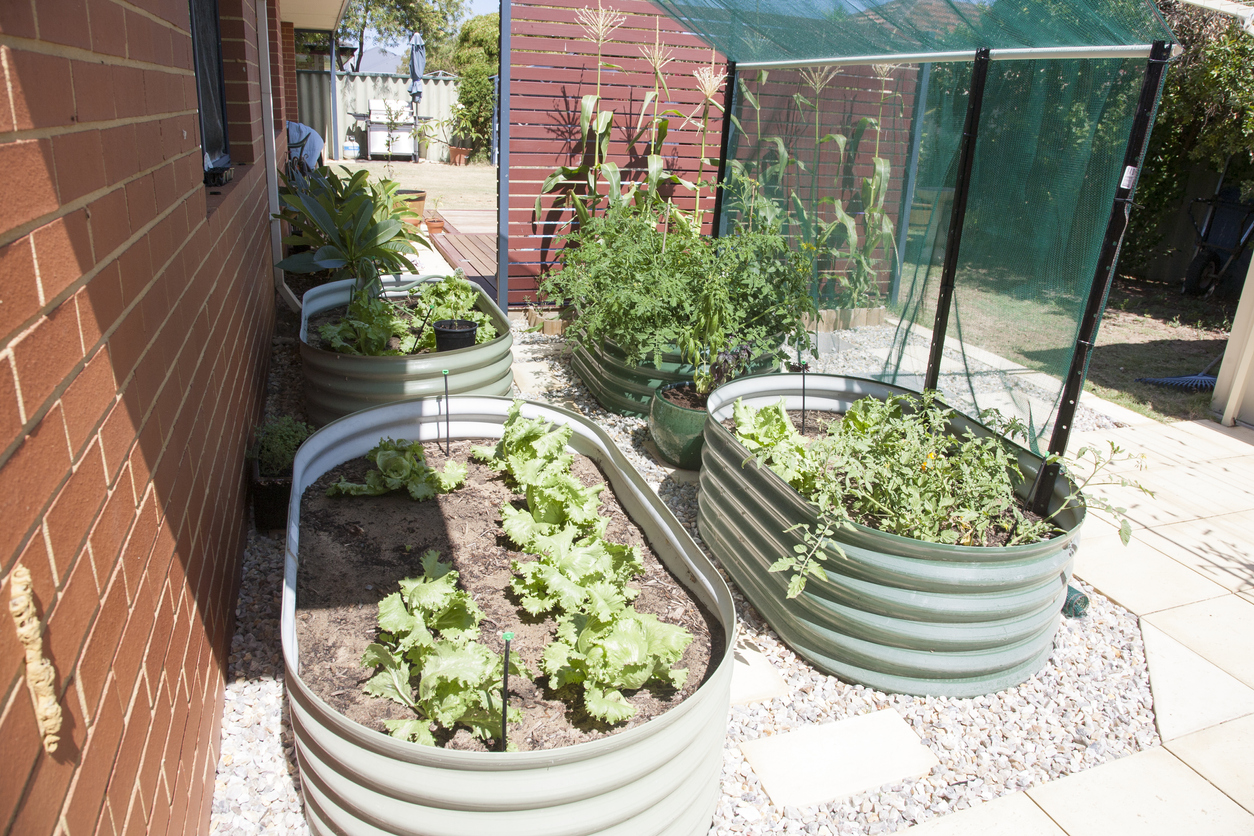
point(1200, 382)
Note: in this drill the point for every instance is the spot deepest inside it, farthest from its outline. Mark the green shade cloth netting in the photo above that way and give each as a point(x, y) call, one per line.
point(808, 30)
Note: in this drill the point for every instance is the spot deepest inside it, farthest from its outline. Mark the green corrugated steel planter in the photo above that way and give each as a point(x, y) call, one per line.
point(661, 777)
point(676, 430)
point(626, 388)
point(338, 384)
point(898, 614)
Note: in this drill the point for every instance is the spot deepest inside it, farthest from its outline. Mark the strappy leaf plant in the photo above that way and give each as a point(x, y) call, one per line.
point(352, 226)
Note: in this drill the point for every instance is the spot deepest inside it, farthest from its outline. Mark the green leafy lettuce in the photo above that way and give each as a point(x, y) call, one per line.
point(602, 642)
point(426, 633)
point(402, 464)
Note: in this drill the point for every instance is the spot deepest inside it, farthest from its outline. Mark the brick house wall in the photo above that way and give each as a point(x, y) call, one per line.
point(136, 311)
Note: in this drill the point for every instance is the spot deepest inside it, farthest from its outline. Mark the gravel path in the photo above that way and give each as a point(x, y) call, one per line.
point(1090, 705)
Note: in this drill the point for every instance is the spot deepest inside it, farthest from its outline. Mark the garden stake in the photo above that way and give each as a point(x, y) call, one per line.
point(803, 398)
point(423, 327)
point(505, 689)
point(448, 441)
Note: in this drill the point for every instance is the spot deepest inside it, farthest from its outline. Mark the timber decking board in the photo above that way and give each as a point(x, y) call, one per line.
point(473, 252)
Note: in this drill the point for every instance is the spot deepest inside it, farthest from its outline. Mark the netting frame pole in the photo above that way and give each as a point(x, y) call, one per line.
point(912, 176)
point(1086, 336)
point(958, 216)
point(724, 147)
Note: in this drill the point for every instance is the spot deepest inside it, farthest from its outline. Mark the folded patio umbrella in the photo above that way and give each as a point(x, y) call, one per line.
point(417, 65)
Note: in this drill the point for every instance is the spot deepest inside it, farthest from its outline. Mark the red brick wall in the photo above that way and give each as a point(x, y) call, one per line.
point(289, 71)
point(135, 316)
point(278, 66)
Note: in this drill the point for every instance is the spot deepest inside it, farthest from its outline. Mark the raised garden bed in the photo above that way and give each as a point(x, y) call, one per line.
point(338, 384)
point(896, 614)
point(660, 775)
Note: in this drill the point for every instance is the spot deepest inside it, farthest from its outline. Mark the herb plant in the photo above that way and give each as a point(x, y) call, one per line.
point(277, 441)
point(895, 465)
point(402, 464)
point(354, 227)
point(602, 642)
point(427, 632)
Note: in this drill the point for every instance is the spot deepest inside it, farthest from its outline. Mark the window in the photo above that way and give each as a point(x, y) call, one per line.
point(210, 84)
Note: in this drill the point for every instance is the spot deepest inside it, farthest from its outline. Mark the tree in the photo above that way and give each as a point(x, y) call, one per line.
point(394, 21)
point(1206, 116)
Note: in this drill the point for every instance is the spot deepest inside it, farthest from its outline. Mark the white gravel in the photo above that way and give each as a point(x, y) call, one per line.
point(1091, 703)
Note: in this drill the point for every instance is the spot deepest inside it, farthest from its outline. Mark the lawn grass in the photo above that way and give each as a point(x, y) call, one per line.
point(1147, 330)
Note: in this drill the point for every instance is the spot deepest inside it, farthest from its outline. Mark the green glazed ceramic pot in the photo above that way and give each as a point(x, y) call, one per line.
point(676, 430)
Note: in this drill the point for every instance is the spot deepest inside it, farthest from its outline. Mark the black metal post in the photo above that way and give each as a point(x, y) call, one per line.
point(729, 102)
point(1115, 227)
point(958, 215)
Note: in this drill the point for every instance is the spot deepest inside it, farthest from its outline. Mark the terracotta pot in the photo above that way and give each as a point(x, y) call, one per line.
point(457, 155)
point(416, 199)
point(435, 225)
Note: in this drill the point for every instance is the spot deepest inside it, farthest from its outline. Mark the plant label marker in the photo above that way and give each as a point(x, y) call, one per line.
point(505, 689)
point(448, 442)
point(803, 397)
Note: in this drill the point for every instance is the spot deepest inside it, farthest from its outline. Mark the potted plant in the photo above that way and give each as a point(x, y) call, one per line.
point(433, 220)
point(374, 352)
point(274, 449)
point(947, 590)
point(660, 775)
point(352, 227)
point(635, 277)
point(415, 201)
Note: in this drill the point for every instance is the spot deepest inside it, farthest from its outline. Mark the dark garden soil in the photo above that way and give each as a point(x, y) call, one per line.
point(355, 550)
point(686, 397)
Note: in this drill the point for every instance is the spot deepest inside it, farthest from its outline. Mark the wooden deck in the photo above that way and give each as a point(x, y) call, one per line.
point(473, 252)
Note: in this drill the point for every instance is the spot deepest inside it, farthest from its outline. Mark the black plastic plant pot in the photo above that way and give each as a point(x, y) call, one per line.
point(454, 333)
point(270, 499)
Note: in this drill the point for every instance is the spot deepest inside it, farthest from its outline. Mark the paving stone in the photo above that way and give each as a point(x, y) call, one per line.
point(815, 764)
point(1221, 755)
point(1190, 693)
point(1151, 793)
point(1010, 815)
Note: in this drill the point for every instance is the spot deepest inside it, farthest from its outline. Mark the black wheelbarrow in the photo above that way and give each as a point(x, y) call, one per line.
point(1222, 238)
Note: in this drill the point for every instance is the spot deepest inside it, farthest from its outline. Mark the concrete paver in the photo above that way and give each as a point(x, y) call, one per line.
point(754, 678)
point(1140, 576)
point(816, 764)
point(1215, 548)
point(1221, 755)
point(1011, 815)
point(1151, 793)
point(1220, 630)
point(1190, 693)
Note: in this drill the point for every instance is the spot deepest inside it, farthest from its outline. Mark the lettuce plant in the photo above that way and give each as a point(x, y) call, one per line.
point(427, 632)
point(602, 642)
point(402, 464)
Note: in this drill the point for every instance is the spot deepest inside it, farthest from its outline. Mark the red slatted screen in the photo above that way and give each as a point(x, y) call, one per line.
point(553, 66)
